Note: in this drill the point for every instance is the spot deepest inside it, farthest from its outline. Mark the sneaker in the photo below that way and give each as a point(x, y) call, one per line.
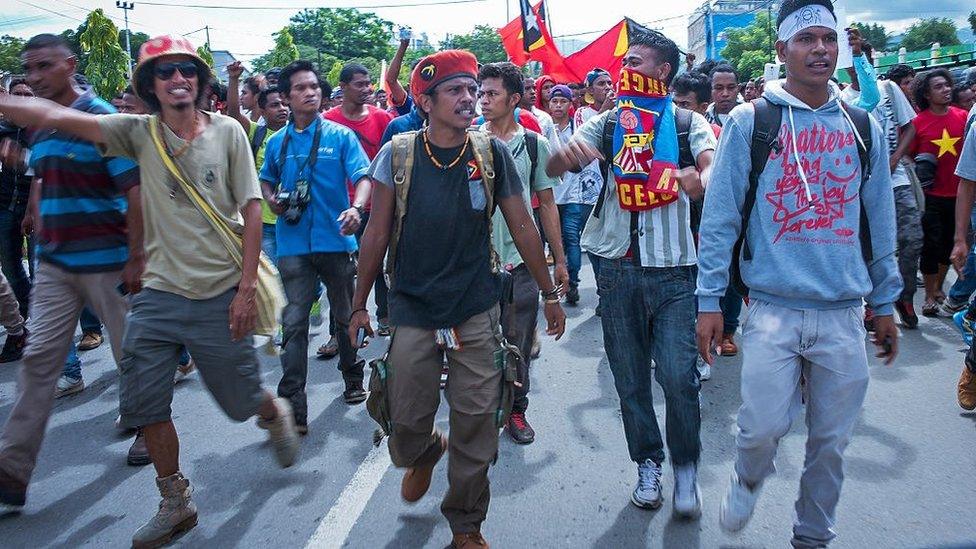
point(647, 495)
point(966, 326)
point(738, 505)
point(90, 340)
point(383, 327)
point(354, 393)
point(177, 513)
point(519, 428)
point(572, 296)
point(282, 433)
point(906, 311)
point(315, 314)
point(728, 347)
point(329, 350)
point(184, 370)
point(138, 452)
point(13, 347)
point(416, 480)
point(68, 386)
point(704, 370)
point(868, 319)
point(686, 500)
point(469, 540)
point(950, 307)
point(966, 390)
point(13, 494)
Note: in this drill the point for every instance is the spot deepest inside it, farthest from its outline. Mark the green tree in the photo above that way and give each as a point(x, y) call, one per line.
point(285, 51)
point(483, 42)
point(874, 33)
point(343, 33)
point(10, 48)
point(322, 61)
point(972, 21)
point(413, 55)
point(106, 67)
point(748, 48)
point(207, 55)
point(922, 34)
point(372, 65)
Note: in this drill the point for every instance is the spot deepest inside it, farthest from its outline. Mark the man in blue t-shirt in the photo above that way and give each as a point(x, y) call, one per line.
point(309, 163)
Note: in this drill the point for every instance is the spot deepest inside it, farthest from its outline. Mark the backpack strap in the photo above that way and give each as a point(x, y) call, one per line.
point(532, 147)
point(258, 139)
point(862, 126)
point(401, 166)
point(606, 147)
point(483, 155)
point(683, 125)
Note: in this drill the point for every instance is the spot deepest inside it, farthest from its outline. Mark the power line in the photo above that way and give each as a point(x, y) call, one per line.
point(51, 11)
point(293, 8)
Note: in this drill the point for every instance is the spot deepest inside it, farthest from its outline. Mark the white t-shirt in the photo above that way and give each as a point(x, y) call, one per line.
point(578, 188)
point(892, 112)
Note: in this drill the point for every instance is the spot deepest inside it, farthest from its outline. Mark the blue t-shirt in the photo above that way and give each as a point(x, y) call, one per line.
point(340, 158)
point(405, 123)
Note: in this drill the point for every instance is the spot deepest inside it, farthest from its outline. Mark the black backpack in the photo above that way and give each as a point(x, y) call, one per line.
point(258, 139)
point(531, 147)
point(765, 138)
point(685, 157)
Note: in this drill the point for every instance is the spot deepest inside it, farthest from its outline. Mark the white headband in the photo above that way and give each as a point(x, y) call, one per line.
point(813, 15)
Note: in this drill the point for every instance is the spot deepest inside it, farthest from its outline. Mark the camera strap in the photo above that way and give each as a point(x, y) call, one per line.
point(313, 154)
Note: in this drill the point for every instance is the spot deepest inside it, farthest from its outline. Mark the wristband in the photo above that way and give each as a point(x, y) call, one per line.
point(552, 302)
point(357, 310)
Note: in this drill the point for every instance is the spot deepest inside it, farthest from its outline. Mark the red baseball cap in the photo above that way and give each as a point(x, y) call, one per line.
point(441, 66)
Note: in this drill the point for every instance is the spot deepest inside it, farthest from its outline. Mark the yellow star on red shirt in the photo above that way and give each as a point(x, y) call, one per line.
point(946, 144)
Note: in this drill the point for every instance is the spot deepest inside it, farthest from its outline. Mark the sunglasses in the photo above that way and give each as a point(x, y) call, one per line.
point(165, 71)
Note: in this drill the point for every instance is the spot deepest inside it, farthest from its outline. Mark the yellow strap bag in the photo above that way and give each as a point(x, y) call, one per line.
point(270, 295)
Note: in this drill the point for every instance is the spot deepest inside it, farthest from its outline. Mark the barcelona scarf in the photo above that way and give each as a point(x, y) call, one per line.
point(645, 144)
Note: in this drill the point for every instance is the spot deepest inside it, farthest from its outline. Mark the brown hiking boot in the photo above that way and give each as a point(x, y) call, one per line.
point(416, 481)
point(469, 540)
point(967, 389)
point(90, 340)
point(138, 452)
point(729, 348)
point(177, 513)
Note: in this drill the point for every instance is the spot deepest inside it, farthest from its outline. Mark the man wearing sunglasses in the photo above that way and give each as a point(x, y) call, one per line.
point(188, 288)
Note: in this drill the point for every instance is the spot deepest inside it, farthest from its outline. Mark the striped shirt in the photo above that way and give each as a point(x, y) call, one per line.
point(657, 238)
point(82, 202)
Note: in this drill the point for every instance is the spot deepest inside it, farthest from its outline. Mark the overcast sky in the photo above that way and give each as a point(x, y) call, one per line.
point(247, 33)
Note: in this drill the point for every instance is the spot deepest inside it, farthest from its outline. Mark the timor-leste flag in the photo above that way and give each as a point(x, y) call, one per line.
point(607, 51)
point(525, 34)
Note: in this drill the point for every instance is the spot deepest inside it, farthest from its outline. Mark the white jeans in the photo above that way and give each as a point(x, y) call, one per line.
point(827, 347)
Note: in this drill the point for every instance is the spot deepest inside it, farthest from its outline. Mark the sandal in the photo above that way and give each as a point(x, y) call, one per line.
point(930, 308)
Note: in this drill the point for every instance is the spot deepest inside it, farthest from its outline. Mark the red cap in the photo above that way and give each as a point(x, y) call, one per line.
point(441, 66)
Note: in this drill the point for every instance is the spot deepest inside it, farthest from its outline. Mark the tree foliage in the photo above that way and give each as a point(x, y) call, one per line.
point(483, 42)
point(343, 33)
point(106, 60)
point(748, 48)
point(922, 34)
point(372, 65)
point(73, 37)
point(10, 48)
point(412, 56)
point(875, 34)
point(207, 55)
point(972, 21)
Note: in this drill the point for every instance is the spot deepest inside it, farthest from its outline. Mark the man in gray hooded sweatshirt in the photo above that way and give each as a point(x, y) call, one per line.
point(806, 270)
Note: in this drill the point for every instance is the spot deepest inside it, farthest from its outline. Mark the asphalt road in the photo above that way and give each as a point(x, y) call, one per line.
point(910, 479)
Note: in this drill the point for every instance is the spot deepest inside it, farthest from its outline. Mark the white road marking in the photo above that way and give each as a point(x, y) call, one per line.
point(337, 524)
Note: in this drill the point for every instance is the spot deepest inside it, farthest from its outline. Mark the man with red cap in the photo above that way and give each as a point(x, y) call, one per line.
point(193, 285)
point(444, 299)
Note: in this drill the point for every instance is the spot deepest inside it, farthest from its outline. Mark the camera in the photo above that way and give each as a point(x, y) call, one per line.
point(294, 203)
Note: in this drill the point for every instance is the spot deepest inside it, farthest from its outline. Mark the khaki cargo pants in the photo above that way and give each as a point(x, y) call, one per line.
point(474, 395)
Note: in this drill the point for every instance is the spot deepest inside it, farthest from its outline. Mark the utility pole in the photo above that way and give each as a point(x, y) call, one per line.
point(125, 7)
point(207, 28)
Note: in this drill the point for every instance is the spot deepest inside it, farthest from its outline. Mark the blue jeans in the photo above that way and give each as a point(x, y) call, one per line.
point(72, 365)
point(731, 305)
point(12, 255)
point(573, 218)
point(964, 287)
point(650, 313)
point(269, 242)
point(89, 322)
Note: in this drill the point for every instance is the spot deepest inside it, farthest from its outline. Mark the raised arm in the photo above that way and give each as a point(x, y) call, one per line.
point(43, 114)
point(234, 71)
point(398, 95)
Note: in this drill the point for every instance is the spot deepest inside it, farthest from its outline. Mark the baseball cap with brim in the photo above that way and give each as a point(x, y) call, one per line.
point(162, 46)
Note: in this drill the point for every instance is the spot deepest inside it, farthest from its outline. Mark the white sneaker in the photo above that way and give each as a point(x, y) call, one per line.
point(68, 386)
point(686, 500)
point(183, 371)
point(738, 505)
point(704, 369)
point(647, 495)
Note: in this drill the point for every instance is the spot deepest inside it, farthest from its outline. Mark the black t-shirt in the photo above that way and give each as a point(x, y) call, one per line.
point(442, 275)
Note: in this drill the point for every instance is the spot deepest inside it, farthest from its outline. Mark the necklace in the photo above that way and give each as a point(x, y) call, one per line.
point(186, 142)
point(437, 163)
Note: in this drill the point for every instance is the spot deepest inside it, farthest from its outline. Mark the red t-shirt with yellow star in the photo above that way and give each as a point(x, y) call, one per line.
point(941, 135)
